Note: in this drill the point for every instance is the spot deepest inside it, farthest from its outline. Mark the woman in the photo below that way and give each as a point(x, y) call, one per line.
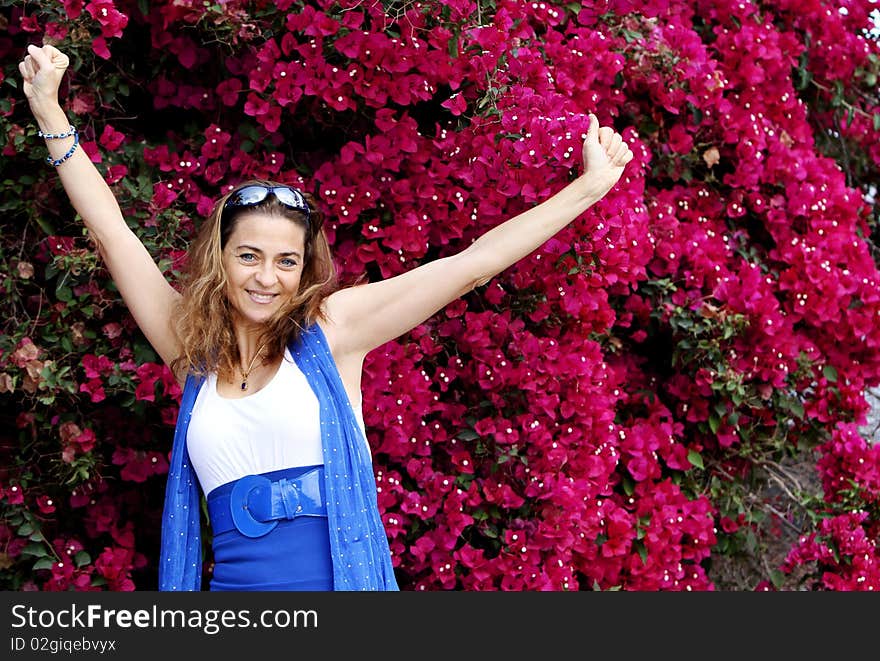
point(270, 353)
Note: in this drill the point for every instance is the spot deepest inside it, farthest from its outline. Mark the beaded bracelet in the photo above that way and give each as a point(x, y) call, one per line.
point(58, 161)
point(56, 136)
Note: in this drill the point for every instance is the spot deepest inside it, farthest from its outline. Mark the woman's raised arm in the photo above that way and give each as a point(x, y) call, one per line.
point(366, 316)
point(146, 292)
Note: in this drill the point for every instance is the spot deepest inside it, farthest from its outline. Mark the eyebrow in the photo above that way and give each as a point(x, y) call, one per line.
point(280, 254)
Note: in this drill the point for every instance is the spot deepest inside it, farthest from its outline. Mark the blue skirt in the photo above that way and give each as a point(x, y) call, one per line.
point(293, 556)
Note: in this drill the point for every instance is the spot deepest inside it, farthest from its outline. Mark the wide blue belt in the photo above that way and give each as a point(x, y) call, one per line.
point(256, 504)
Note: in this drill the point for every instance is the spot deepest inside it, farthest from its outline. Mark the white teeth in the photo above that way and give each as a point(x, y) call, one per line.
point(261, 298)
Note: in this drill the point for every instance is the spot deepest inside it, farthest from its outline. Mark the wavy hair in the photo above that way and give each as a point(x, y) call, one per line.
point(203, 318)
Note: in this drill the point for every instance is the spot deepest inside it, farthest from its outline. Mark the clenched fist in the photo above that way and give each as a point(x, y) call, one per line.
point(42, 70)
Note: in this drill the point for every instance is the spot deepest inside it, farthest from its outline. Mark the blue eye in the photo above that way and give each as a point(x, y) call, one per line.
point(288, 263)
point(247, 256)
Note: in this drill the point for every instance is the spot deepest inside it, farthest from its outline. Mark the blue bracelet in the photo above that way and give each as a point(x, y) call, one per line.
point(58, 161)
point(56, 136)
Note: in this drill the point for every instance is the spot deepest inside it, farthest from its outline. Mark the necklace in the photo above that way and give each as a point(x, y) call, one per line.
point(246, 373)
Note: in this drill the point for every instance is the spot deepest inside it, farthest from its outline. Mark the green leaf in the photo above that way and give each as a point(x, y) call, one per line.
point(43, 563)
point(35, 549)
point(695, 458)
point(25, 529)
point(143, 353)
point(64, 294)
point(830, 373)
point(82, 558)
point(45, 225)
point(802, 79)
point(777, 578)
point(737, 397)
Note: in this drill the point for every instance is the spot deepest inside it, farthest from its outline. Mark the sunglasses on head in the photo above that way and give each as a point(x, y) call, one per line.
point(254, 194)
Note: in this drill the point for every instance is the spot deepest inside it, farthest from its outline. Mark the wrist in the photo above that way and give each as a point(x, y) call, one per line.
point(46, 109)
point(588, 189)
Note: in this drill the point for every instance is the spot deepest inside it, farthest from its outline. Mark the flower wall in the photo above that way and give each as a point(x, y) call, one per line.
point(630, 407)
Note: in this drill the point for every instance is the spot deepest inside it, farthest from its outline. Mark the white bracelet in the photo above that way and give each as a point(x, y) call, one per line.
point(56, 136)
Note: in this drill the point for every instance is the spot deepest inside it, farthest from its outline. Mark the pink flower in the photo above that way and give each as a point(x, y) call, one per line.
point(115, 173)
point(73, 8)
point(456, 104)
point(30, 23)
point(112, 20)
point(163, 195)
point(45, 504)
point(13, 494)
point(95, 390)
point(99, 46)
point(111, 139)
point(139, 465)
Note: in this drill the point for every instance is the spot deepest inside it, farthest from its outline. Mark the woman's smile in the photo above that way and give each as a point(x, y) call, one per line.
point(261, 298)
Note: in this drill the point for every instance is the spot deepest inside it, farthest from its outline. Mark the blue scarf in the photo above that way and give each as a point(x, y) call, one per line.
point(358, 542)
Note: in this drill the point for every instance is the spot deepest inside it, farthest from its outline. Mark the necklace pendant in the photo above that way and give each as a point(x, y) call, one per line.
point(244, 385)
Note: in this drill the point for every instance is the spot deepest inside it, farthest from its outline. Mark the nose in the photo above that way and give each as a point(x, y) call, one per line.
point(265, 275)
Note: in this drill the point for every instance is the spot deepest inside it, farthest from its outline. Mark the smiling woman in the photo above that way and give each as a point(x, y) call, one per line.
point(270, 352)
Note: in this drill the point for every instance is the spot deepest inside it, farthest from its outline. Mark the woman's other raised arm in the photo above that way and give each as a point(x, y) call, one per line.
point(366, 316)
point(146, 292)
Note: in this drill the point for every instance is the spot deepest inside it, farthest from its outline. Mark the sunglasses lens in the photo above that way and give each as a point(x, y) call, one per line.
point(248, 196)
point(291, 198)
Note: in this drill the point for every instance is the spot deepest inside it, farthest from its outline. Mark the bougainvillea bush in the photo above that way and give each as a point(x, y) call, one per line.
point(668, 395)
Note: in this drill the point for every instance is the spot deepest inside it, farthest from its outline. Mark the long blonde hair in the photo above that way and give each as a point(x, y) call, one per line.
point(203, 319)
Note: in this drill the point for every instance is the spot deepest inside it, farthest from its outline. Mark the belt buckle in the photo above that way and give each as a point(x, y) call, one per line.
point(238, 506)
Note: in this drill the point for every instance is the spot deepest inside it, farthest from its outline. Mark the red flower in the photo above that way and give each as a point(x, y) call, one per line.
point(97, 366)
point(45, 504)
point(30, 23)
point(73, 8)
point(456, 104)
point(139, 465)
point(13, 494)
point(95, 389)
point(112, 20)
point(163, 195)
point(111, 138)
point(75, 440)
point(115, 173)
point(99, 46)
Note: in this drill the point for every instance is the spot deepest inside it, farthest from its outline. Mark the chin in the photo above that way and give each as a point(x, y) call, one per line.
point(256, 317)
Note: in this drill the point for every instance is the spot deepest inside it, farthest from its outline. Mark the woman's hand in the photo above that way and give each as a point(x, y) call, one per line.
point(42, 70)
point(605, 156)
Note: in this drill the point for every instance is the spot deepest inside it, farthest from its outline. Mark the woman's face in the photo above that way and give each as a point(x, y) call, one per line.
point(263, 258)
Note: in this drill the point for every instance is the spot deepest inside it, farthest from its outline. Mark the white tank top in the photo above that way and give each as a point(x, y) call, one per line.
point(274, 428)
